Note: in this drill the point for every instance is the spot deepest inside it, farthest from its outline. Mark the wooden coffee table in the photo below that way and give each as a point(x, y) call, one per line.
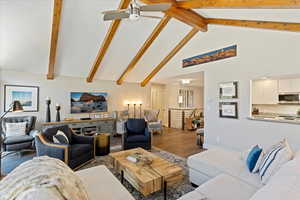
point(147, 179)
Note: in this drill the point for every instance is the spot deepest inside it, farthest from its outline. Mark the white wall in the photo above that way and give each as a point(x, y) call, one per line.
point(60, 88)
point(261, 53)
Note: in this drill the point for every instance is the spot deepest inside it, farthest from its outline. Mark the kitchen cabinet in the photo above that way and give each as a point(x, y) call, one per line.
point(265, 92)
point(289, 86)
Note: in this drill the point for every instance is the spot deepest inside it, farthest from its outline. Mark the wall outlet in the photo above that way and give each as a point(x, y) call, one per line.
point(218, 139)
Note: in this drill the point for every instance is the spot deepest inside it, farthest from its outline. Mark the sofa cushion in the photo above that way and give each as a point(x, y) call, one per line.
point(226, 187)
point(284, 184)
point(137, 138)
point(194, 195)
point(77, 150)
point(100, 183)
point(217, 161)
point(17, 139)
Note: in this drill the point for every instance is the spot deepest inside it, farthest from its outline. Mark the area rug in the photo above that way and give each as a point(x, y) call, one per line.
point(173, 192)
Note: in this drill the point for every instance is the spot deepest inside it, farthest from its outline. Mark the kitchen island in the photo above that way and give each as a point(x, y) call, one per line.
point(274, 117)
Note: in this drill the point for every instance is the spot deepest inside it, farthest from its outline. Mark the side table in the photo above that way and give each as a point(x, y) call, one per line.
point(102, 144)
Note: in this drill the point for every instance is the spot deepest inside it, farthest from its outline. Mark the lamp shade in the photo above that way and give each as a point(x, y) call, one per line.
point(17, 106)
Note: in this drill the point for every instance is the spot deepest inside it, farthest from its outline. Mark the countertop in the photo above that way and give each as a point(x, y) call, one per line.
point(276, 117)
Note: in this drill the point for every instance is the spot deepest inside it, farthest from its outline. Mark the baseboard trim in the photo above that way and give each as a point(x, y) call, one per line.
point(209, 146)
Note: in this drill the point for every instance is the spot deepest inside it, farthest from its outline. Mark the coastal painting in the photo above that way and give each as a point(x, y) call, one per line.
point(88, 102)
point(25, 98)
point(219, 54)
point(27, 95)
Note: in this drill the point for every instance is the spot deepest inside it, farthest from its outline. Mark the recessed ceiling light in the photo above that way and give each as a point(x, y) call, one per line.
point(185, 81)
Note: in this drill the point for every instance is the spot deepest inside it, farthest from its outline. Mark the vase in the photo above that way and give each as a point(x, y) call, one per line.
point(48, 113)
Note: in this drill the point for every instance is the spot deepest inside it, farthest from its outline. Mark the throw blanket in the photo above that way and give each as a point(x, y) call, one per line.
point(42, 174)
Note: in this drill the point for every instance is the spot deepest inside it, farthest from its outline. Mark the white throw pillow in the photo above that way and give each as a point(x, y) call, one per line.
point(60, 134)
point(274, 159)
point(258, 163)
point(15, 129)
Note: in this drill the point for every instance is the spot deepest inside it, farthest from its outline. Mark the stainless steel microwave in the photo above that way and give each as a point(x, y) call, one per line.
point(289, 98)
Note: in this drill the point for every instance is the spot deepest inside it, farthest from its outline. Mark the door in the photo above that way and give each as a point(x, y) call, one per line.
point(158, 102)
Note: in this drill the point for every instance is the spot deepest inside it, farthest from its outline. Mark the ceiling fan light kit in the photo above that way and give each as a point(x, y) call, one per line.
point(133, 12)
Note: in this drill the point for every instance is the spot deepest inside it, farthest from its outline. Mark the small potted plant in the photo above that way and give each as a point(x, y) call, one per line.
point(298, 112)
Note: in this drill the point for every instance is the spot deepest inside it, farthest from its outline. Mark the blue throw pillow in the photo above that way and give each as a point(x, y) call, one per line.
point(253, 157)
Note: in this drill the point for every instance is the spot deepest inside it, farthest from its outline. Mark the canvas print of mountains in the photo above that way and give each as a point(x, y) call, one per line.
point(88, 102)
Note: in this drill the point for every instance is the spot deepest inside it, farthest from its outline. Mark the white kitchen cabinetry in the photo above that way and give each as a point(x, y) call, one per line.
point(289, 86)
point(265, 92)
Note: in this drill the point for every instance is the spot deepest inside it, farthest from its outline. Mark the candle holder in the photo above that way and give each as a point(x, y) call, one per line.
point(58, 113)
point(48, 114)
point(141, 111)
point(128, 110)
point(134, 105)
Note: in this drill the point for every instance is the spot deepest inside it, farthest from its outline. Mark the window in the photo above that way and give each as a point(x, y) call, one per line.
point(186, 98)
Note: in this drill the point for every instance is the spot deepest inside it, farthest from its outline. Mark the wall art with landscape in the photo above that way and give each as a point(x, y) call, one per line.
point(88, 102)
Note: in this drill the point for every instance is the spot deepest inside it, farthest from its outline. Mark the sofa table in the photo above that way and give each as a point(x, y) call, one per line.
point(147, 179)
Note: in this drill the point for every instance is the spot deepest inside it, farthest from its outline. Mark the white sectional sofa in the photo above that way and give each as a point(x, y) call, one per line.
point(100, 183)
point(223, 175)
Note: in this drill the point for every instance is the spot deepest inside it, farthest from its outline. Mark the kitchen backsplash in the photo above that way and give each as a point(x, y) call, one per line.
point(280, 109)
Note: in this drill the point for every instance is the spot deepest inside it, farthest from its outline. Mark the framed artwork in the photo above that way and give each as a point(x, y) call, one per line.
point(228, 90)
point(219, 54)
point(228, 110)
point(88, 102)
point(27, 95)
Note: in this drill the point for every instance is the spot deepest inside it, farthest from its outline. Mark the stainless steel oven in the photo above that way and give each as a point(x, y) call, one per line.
point(289, 98)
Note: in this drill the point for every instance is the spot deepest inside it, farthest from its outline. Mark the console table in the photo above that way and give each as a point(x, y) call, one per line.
point(100, 125)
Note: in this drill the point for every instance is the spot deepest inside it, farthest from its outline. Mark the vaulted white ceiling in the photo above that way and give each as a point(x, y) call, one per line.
point(25, 28)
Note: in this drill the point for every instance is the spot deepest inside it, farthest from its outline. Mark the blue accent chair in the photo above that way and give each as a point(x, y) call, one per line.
point(80, 150)
point(136, 135)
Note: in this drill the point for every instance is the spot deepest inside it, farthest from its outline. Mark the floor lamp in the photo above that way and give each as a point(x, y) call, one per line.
point(15, 106)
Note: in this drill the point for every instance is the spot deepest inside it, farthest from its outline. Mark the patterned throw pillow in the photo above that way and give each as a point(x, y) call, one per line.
point(275, 157)
point(60, 138)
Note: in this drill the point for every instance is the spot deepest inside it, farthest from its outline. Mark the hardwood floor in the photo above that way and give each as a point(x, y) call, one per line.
point(177, 141)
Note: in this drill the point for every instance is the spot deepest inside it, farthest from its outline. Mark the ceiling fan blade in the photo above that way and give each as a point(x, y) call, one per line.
point(120, 15)
point(156, 7)
point(114, 11)
point(154, 17)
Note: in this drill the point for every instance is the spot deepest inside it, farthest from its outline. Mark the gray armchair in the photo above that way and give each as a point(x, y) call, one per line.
point(154, 124)
point(80, 150)
point(17, 143)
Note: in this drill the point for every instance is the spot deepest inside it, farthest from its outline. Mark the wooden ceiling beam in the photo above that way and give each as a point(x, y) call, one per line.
point(160, 26)
point(106, 43)
point(157, 1)
point(54, 37)
point(189, 17)
point(281, 26)
point(239, 4)
point(179, 46)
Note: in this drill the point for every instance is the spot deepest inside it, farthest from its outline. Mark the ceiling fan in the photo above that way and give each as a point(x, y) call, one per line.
point(133, 12)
